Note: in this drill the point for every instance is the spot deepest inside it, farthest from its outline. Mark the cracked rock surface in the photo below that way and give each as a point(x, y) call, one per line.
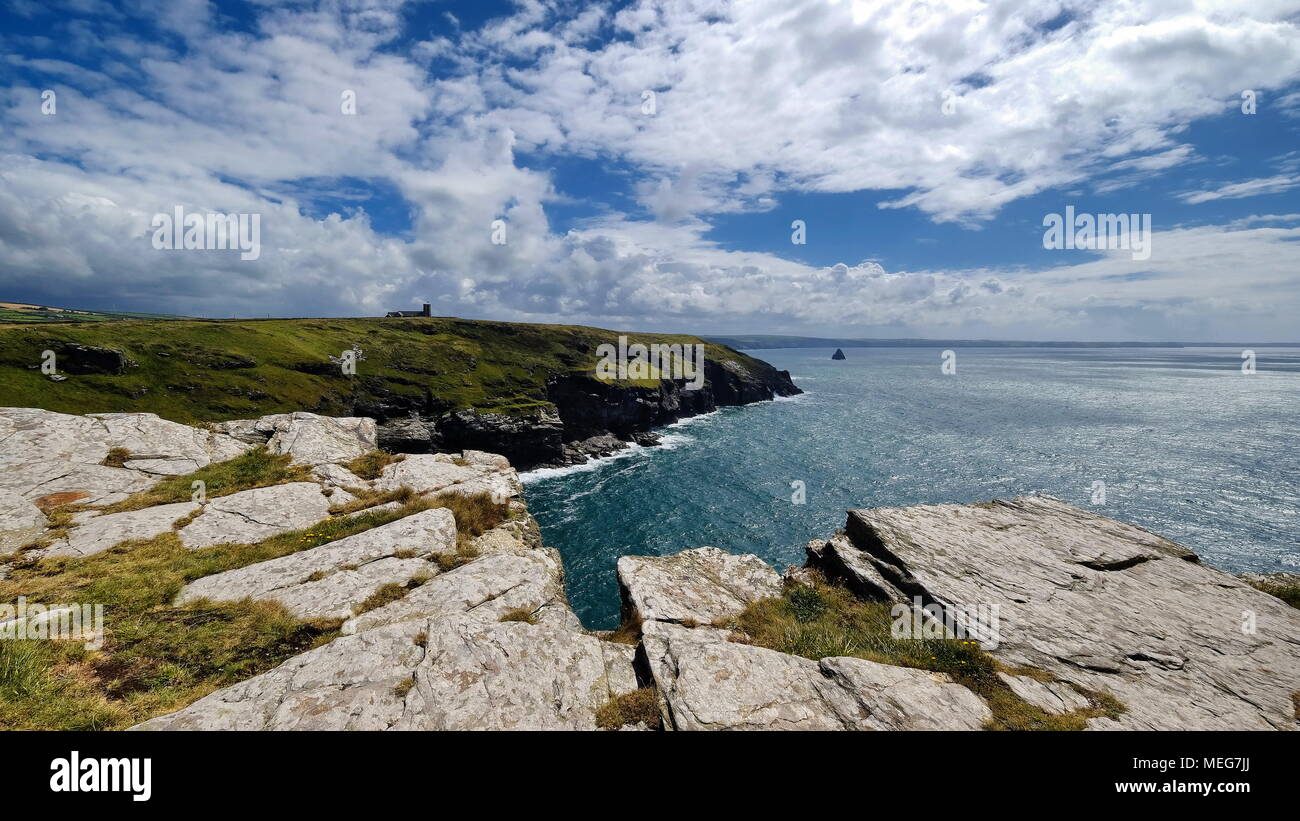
point(331, 580)
point(702, 585)
point(253, 515)
point(1101, 604)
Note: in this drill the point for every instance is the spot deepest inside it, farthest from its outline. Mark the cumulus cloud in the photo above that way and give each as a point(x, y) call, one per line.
point(752, 101)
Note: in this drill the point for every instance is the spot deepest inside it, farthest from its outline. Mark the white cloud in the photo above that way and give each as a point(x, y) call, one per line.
point(1248, 188)
point(753, 100)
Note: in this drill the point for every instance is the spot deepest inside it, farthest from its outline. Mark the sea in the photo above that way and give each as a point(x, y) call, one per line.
point(1180, 441)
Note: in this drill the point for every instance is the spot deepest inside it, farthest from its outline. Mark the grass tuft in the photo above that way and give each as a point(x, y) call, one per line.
point(366, 498)
point(371, 465)
point(116, 457)
point(520, 614)
point(629, 632)
point(252, 469)
point(386, 594)
point(630, 708)
point(1288, 591)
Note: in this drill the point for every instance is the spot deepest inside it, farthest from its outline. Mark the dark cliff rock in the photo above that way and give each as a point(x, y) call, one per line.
point(90, 359)
point(585, 417)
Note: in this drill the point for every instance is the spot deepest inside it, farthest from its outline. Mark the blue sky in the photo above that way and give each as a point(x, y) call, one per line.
point(921, 145)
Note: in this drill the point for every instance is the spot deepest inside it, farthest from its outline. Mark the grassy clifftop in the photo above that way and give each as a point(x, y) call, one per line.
point(208, 370)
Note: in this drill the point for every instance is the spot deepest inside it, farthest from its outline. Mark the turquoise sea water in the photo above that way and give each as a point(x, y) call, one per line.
point(1186, 445)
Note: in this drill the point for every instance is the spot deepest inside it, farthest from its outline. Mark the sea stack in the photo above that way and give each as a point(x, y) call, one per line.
point(839, 354)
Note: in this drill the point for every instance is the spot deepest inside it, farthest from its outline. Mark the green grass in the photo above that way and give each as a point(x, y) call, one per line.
point(371, 465)
point(825, 620)
point(41, 314)
point(196, 371)
point(251, 469)
point(1287, 591)
point(156, 657)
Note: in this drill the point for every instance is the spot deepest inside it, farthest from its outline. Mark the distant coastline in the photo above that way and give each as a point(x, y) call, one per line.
point(760, 341)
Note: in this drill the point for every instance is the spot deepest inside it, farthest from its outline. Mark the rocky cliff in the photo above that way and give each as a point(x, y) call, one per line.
point(416, 593)
point(528, 392)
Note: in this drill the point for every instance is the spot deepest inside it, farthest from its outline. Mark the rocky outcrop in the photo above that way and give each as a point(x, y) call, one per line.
point(331, 581)
point(309, 438)
point(585, 418)
point(44, 453)
point(708, 682)
point(21, 522)
point(88, 359)
point(457, 673)
point(257, 514)
point(700, 586)
point(99, 533)
point(1094, 602)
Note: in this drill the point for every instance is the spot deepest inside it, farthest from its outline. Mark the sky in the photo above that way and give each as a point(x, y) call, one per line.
point(653, 165)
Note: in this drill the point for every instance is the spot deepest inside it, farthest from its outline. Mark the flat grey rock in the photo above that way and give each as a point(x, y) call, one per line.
point(21, 522)
point(434, 674)
point(253, 515)
point(313, 440)
point(1102, 605)
point(98, 533)
point(425, 473)
point(483, 590)
point(42, 452)
point(702, 585)
point(74, 481)
point(709, 683)
point(331, 580)
point(1051, 696)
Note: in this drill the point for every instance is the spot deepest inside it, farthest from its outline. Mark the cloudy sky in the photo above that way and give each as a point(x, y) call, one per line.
point(650, 159)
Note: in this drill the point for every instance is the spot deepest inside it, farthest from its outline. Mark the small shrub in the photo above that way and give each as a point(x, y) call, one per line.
point(630, 708)
point(116, 457)
point(629, 632)
point(520, 614)
point(806, 603)
point(386, 594)
point(404, 686)
point(371, 465)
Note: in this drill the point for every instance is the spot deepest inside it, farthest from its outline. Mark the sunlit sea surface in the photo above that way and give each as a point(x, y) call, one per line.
point(1185, 443)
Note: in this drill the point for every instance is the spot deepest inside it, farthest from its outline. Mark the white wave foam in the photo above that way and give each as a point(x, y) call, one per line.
point(541, 474)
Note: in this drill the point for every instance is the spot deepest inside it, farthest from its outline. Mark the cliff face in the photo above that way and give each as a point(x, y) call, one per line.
point(584, 417)
point(432, 383)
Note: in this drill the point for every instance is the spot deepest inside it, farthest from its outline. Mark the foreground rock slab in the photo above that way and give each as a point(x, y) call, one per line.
point(99, 533)
point(1100, 604)
point(707, 682)
point(485, 590)
point(699, 586)
point(253, 515)
point(429, 674)
point(331, 580)
point(310, 439)
point(21, 522)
